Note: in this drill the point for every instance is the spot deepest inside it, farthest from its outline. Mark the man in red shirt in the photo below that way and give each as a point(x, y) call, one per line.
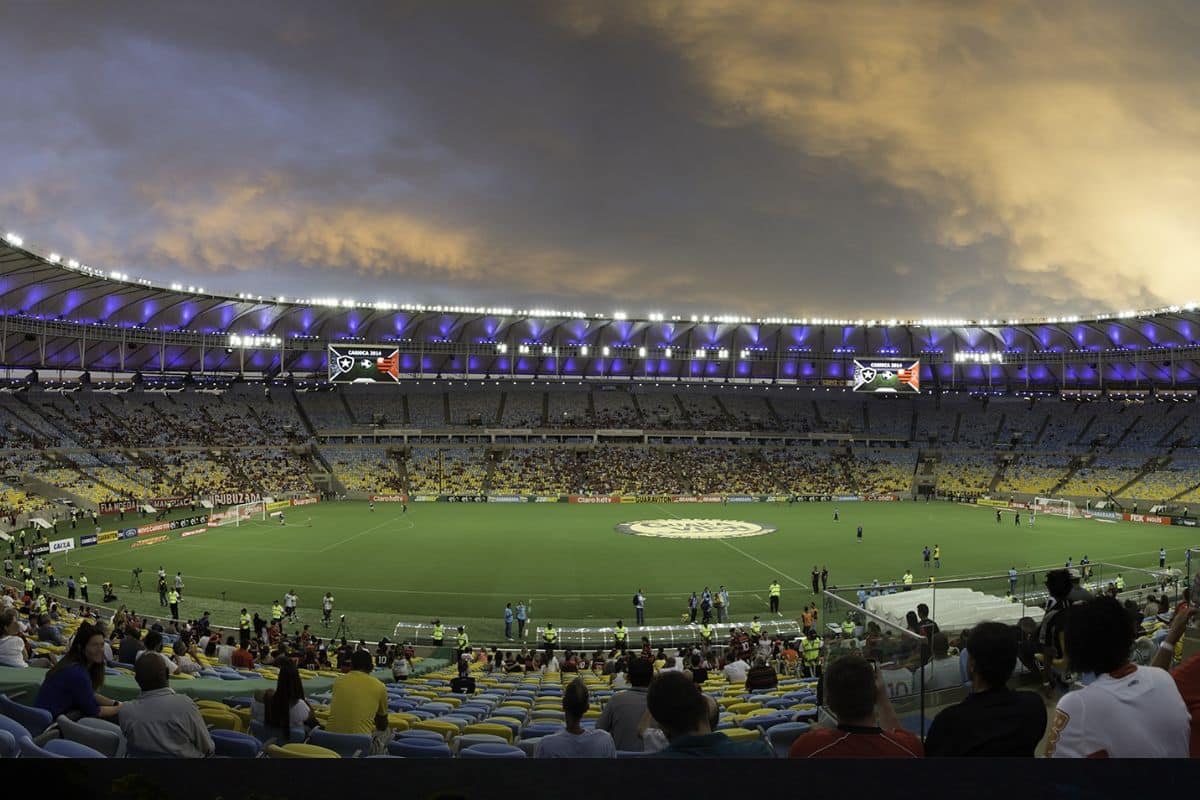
point(855, 694)
point(242, 659)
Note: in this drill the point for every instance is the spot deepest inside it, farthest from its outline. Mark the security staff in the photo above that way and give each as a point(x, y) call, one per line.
point(755, 629)
point(463, 642)
point(908, 580)
point(811, 648)
point(774, 591)
point(244, 629)
point(1120, 583)
point(848, 628)
point(439, 633)
point(173, 602)
point(706, 634)
point(620, 634)
point(276, 611)
point(549, 640)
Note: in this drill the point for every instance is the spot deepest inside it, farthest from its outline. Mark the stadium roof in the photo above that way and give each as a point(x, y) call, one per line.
point(58, 313)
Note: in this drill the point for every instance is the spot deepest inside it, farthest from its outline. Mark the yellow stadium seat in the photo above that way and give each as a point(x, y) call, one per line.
point(743, 708)
point(300, 751)
point(492, 728)
point(223, 720)
point(398, 722)
point(741, 734)
point(448, 730)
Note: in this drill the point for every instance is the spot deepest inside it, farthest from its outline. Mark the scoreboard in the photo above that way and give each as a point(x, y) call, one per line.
point(354, 364)
point(896, 377)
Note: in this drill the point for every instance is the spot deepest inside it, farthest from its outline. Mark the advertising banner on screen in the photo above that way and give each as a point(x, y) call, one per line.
point(305, 501)
point(593, 500)
point(87, 541)
point(505, 498)
point(106, 537)
point(389, 498)
point(157, 527)
point(1151, 519)
point(887, 377)
point(1188, 522)
point(370, 364)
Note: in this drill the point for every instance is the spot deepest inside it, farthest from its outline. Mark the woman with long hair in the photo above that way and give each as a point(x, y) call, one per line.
point(284, 706)
point(72, 686)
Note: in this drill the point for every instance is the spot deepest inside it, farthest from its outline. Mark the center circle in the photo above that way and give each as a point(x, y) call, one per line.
point(694, 528)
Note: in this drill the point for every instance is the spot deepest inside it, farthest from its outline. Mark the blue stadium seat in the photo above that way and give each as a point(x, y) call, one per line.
point(31, 750)
point(633, 754)
point(232, 744)
point(492, 750)
point(68, 749)
point(35, 720)
point(98, 734)
point(268, 735)
point(544, 728)
point(8, 745)
point(418, 734)
point(419, 748)
point(782, 735)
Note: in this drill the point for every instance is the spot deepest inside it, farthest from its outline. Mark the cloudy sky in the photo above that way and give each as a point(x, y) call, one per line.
point(718, 156)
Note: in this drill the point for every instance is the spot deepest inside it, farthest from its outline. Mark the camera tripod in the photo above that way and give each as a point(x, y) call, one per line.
point(343, 630)
point(136, 582)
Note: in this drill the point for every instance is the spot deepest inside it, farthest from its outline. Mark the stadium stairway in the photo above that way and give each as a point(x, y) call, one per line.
point(312, 431)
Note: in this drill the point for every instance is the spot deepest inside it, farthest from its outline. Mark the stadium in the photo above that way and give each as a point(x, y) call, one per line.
point(462, 531)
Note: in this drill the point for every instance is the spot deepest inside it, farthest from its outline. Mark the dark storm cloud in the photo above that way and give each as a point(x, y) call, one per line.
point(754, 158)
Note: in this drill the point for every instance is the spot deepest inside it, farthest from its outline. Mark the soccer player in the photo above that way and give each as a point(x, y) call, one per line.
point(326, 609)
point(937, 556)
point(925, 554)
point(1017, 519)
point(372, 506)
point(835, 515)
point(289, 604)
point(859, 539)
point(403, 507)
point(997, 516)
point(281, 520)
point(1162, 557)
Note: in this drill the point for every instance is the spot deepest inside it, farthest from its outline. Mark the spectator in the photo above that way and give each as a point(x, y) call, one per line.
point(283, 707)
point(1187, 674)
point(14, 650)
point(242, 658)
point(993, 720)
point(131, 645)
point(1127, 711)
point(761, 676)
point(225, 652)
point(183, 660)
point(49, 632)
point(686, 715)
point(360, 703)
point(855, 694)
point(736, 670)
point(942, 672)
point(574, 741)
point(698, 671)
point(72, 686)
point(464, 683)
point(926, 626)
point(154, 643)
point(624, 709)
point(1048, 639)
point(160, 722)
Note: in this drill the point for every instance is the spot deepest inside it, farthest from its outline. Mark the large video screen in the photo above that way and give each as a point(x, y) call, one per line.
point(896, 377)
point(354, 364)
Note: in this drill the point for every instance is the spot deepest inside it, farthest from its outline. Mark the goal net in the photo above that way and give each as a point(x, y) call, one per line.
point(236, 515)
point(1050, 505)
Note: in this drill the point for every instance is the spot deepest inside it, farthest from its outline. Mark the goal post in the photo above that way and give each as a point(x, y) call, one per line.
point(1055, 506)
point(236, 515)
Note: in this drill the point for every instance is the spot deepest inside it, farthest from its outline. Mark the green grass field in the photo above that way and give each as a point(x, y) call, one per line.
point(463, 562)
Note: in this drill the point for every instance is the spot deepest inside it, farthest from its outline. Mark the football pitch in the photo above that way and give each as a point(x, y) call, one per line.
point(574, 567)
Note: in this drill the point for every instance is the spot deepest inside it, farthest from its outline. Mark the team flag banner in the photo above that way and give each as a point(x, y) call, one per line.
point(364, 364)
point(894, 377)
